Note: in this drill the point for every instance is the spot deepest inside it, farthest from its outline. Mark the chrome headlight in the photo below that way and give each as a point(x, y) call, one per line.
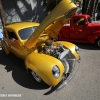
point(55, 71)
point(77, 49)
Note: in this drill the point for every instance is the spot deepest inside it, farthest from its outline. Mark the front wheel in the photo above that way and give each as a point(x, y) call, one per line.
point(36, 77)
point(97, 42)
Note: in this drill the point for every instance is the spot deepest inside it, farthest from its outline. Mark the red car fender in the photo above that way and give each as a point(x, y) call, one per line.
point(93, 37)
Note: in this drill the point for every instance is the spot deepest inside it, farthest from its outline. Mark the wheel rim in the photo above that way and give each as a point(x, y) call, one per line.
point(36, 77)
point(98, 43)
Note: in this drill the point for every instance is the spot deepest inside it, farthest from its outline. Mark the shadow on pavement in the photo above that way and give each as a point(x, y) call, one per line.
point(19, 74)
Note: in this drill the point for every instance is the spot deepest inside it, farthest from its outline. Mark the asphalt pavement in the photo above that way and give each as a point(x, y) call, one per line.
point(16, 83)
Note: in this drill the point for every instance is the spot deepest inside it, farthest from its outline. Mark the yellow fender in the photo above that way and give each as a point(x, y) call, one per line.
point(42, 65)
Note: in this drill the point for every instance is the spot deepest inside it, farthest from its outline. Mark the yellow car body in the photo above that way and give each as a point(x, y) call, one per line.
point(34, 43)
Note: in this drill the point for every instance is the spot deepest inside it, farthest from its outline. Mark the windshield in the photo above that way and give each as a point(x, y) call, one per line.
point(26, 32)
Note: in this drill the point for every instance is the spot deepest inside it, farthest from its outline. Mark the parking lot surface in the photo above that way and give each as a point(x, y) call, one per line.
point(16, 83)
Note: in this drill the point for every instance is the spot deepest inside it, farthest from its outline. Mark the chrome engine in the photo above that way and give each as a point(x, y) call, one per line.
point(61, 53)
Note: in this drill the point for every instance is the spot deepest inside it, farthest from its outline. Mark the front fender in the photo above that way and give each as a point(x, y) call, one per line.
point(70, 46)
point(42, 64)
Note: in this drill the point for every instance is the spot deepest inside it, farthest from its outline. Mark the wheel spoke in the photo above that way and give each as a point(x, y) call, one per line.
point(36, 77)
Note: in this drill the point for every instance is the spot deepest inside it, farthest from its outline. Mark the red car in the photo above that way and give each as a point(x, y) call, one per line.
point(81, 29)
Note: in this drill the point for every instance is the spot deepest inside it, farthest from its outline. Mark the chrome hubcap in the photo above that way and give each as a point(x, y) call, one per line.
point(37, 78)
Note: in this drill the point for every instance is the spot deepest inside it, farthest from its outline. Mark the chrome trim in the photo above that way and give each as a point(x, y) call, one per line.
point(71, 75)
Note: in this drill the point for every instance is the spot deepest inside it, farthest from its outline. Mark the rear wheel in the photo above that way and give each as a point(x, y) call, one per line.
point(97, 42)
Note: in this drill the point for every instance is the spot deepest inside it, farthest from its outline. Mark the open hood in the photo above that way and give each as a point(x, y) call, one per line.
point(53, 23)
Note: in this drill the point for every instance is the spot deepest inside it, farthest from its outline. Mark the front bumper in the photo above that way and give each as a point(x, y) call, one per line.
point(64, 82)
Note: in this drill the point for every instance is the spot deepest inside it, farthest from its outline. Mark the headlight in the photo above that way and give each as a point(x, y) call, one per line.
point(77, 49)
point(55, 71)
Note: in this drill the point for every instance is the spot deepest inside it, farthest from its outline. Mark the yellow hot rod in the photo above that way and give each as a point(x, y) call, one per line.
point(47, 60)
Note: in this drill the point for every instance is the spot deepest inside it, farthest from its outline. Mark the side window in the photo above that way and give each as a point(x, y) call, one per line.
point(79, 21)
point(76, 21)
point(12, 35)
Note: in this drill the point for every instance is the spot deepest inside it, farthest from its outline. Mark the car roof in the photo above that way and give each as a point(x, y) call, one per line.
point(20, 25)
point(86, 15)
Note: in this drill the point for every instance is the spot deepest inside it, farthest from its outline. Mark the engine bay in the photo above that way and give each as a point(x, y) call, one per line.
point(60, 52)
